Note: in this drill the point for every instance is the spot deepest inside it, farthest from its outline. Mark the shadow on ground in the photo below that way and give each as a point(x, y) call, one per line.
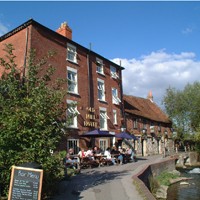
point(72, 189)
point(141, 159)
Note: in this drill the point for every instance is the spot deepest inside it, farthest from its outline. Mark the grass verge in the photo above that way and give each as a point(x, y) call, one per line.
point(138, 188)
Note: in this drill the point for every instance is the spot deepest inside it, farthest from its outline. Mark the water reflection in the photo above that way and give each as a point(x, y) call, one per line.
point(186, 192)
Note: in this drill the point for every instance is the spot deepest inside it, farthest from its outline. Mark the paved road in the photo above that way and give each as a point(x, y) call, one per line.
point(106, 183)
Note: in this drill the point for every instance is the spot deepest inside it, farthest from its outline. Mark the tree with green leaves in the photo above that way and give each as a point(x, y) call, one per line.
point(32, 118)
point(183, 107)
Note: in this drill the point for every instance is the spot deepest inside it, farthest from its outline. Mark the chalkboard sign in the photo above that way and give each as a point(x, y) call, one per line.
point(25, 184)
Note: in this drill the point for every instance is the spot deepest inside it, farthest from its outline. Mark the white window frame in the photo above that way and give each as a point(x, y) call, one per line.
point(73, 111)
point(134, 122)
point(103, 117)
point(113, 72)
point(74, 82)
point(101, 89)
point(71, 53)
point(114, 117)
point(115, 98)
point(73, 144)
point(103, 144)
point(99, 65)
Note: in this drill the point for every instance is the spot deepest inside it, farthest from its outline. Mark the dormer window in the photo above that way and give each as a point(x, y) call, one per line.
point(71, 53)
point(99, 64)
point(113, 72)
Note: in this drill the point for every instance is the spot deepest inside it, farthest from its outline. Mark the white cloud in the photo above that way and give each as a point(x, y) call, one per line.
point(3, 29)
point(189, 30)
point(155, 72)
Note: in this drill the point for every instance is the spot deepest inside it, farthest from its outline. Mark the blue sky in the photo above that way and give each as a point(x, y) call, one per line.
point(157, 42)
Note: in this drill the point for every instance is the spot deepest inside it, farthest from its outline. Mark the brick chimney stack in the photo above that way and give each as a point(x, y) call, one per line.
point(150, 97)
point(65, 30)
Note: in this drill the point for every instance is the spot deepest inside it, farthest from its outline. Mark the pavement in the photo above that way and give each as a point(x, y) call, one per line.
point(106, 183)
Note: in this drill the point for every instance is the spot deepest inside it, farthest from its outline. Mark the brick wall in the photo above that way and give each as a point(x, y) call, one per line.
point(19, 42)
point(43, 40)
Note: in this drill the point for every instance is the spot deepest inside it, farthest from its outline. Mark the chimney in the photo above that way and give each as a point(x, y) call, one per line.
point(65, 30)
point(150, 97)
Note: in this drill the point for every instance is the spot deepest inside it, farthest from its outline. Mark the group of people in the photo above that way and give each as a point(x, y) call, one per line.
point(70, 158)
point(119, 153)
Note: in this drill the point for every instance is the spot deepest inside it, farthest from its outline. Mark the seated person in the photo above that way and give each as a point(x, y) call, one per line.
point(82, 153)
point(129, 151)
point(120, 157)
point(107, 153)
point(96, 150)
point(120, 149)
point(90, 154)
point(71, 159)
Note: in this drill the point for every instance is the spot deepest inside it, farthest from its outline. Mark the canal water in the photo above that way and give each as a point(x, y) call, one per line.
point(186, 192)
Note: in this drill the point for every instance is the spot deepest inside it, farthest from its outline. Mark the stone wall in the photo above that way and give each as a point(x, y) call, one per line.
point(154, 170)
point(186, 159)
point(149, 146)
point(157, 168)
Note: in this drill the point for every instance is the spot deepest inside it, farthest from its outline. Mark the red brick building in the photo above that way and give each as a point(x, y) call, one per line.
point(94, 82)
point(149, 123)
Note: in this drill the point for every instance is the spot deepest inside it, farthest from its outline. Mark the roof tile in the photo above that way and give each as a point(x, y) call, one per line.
point(144, 108)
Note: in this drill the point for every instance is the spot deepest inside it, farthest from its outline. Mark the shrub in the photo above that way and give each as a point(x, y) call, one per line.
point(32, 115)
point(62, 154)
point(153, 183)
point(165, 177)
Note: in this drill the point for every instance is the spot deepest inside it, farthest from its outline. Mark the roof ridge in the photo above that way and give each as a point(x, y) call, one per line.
point(31, 21)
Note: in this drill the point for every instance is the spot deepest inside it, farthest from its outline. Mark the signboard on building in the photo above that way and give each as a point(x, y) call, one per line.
point(25, 183)
point(152, 129)
point(90, 117)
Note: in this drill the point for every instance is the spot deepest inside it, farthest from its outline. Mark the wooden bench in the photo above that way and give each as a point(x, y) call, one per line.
point(117, 161)
point(86, 162)
point(70, 163)
point(127, 158)
point(104, 161)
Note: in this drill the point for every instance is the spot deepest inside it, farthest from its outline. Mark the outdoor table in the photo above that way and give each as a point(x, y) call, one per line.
point(86, 161)
point(100, 159)
point(115, 155)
